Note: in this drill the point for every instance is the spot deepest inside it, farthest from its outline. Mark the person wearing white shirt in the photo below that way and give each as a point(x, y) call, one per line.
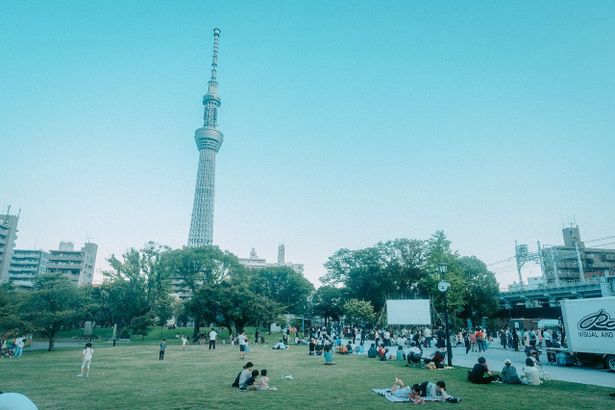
point(532, 375)
point(427, 334)
point(88, 352)
point(212, 339)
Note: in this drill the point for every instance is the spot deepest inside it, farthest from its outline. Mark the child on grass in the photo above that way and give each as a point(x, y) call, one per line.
point(88, 352)
point(263, 382)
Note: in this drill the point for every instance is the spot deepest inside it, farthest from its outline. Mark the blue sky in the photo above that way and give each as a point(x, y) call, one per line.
point(346, 123)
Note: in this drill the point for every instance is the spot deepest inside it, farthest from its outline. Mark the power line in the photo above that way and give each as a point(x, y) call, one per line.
point(509, 259)
point(603, 244)
point(600, 239)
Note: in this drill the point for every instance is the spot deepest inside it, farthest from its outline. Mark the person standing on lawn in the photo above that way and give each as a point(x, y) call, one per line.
point(184, 340)
point(163, 347)
point(243, 344)
point(88, 352)
point(212, 339)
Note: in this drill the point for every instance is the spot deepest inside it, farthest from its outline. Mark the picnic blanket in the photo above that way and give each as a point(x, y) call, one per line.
point(386, 393)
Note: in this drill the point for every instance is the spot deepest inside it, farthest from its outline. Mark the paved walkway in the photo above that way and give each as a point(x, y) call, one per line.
point(39, 345)
point(496, 356)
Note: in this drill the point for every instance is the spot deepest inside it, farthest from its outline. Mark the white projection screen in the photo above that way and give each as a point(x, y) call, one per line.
point(409, 312)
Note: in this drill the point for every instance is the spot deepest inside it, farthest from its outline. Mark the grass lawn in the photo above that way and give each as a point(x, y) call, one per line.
point(131, 376)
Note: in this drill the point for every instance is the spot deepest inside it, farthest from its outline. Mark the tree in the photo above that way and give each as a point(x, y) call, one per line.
point(55, 304)
point(282, 285)
point(327, 302)
point(482, 289)
point(200, 271)
point(409, 268)
point(240, 306)
point(135, 290)
point(359, 311)
point(10, 322)
point(473, 290)
point(392, 268)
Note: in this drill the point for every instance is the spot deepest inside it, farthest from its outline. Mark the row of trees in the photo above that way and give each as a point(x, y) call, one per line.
point(406, 268)
point(136, 292)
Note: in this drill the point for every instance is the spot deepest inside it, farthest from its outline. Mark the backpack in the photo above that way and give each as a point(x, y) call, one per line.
point(236, 382)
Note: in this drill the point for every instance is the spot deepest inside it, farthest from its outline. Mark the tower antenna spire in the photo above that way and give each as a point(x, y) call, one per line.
point(214, 61)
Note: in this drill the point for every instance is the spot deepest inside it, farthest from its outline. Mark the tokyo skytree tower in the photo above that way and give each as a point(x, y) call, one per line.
point(208, 141)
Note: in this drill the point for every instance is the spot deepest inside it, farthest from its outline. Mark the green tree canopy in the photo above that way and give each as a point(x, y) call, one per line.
point(409, 268)
point(392, 268)
point(327, 302)
point(359, 312)
point(54, 304)
point(201, 272)
point(10, 321)
point(481, 289)
point(135, 291)
point(283, 286)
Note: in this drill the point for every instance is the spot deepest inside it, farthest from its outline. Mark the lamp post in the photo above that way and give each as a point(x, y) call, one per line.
point(443, 287)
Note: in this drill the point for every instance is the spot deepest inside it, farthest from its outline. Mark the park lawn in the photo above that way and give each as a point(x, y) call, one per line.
point(131, 376)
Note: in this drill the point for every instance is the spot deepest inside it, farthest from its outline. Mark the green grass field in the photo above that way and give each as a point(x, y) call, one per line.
point(130, 376)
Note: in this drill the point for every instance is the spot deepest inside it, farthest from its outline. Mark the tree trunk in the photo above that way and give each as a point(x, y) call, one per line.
point(51, 342)
point(196, 329)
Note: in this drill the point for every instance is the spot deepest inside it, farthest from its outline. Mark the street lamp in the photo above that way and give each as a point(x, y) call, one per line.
point(443, 287)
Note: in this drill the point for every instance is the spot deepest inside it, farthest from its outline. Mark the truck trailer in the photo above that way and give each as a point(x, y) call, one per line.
point(590, 329)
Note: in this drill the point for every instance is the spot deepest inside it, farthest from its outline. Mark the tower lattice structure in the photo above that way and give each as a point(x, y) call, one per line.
point(208, 141)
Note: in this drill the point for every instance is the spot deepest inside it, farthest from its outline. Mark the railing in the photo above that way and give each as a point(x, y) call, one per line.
point(563, 284)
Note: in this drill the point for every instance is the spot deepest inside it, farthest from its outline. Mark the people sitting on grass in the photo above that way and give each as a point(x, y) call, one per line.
point(243, 376)
point(312, 347)
point(342, 349)
point(480, 373)
point(414, 354)
point(328, 355)
point(250, 383)
point(400, 355)
point(280, 346)
point(263, 382)
point(349, 347)
point(338, 342)
point(383, 353)
point(509, 373)
point(372, 353)
point(360, 349)
point(319, 347)
point(532, 375)
point(436, 361)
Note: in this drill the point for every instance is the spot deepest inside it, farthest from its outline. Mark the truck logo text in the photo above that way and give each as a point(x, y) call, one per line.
point(600, 320)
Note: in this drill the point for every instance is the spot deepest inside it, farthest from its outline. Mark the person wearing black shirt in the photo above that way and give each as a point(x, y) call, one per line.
point(480, 373)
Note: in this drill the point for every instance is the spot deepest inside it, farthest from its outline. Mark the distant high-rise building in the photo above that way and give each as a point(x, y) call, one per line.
point(281, 252)
point(8, 235)
point(208, 141)
point(254, 262)
point(26, 265)
point(77, 265)
point(574, 261)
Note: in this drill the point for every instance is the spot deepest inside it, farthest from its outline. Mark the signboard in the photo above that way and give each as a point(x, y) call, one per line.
point(409, 312)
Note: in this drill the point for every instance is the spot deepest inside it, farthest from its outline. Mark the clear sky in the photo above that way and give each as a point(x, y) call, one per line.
point(346, 123)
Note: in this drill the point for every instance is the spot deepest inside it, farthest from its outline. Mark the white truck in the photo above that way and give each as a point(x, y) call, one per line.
point(590, 329)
